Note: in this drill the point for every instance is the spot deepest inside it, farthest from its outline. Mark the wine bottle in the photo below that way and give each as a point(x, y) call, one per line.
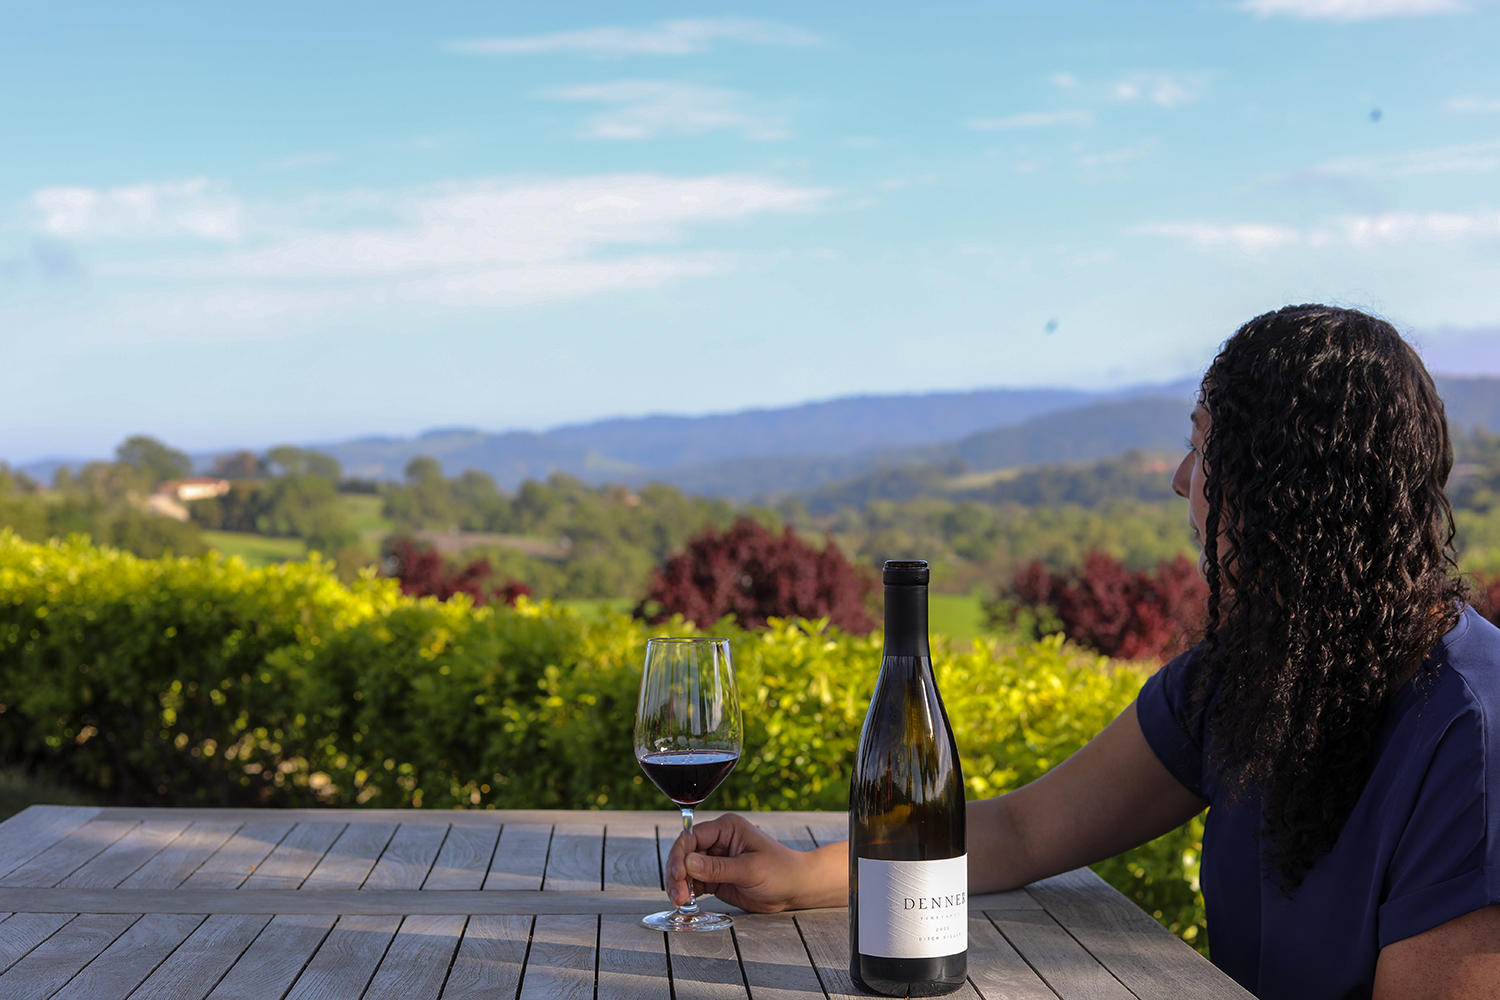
point(908, 861)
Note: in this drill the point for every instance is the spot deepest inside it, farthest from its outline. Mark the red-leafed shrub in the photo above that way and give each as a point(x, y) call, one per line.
point(1132, 615)
point(424, 573)
point(754, 574)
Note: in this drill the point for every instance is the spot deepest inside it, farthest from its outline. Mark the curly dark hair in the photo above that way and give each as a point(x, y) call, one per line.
point(1329, 561)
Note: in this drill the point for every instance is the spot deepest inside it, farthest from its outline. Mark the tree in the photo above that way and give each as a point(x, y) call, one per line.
point(305, 506)
point(425, 500)
point(239, 465)
point(293, 461)
point(754, 574)
point(1131, 615)
point(20, 506)
point(481, 505)
point(152, 458)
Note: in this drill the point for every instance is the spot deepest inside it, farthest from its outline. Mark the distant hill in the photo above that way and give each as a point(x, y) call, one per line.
point(805, 449)
point(687, 450)
point(1134, 475)
point(1080, 434)
point(1471, 402)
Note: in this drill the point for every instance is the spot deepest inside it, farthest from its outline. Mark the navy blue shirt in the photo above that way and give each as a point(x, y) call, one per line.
point(1421, 847)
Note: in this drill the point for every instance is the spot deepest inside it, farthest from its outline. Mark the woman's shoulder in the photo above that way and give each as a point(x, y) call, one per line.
point(1451, 708)
point(1465, 668)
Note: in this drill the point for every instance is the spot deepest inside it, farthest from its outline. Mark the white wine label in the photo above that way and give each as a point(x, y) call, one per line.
point(913, 909)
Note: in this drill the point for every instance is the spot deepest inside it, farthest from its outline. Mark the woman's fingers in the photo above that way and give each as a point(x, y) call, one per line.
point(702, 837)
point(735, 860)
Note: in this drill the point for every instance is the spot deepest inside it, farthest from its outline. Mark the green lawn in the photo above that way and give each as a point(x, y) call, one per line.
point(957, 616)
point(364, 515)
point(257, 550)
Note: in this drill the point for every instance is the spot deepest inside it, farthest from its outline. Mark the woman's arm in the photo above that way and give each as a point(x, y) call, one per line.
point(1458, 960)
point(1111, 795)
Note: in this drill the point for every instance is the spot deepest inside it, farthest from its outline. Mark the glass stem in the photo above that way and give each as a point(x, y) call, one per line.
point(689, 908)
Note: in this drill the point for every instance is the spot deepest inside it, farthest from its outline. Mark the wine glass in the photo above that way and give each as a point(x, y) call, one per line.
point(687, 740)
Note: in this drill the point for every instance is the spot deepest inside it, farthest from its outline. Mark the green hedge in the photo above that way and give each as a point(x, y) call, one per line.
point(203, 681)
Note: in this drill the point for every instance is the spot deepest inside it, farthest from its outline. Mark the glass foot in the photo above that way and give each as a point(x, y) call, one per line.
point(676, 920)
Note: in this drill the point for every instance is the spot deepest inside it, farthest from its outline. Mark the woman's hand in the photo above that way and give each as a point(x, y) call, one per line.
point(738, 862)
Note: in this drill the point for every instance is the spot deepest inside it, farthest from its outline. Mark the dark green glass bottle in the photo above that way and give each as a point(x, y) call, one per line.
point(908, 862)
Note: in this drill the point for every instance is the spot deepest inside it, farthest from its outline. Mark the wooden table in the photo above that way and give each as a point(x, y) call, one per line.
point(248, 904)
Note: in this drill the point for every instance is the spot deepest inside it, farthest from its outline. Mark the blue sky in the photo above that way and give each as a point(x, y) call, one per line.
point(289, 222)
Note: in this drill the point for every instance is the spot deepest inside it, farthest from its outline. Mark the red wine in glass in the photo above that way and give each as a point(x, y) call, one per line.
point(687, 777)
point(688, 735)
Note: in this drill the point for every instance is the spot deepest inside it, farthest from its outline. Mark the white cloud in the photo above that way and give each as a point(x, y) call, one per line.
point(483, 245)
point(1362, 231)
point(1092, 161)
point(667, 38)
point(644, 109)
point(1033, 119)
point(1403, 227)
point(1472, 104)
point(193, 209)
point(1246, 237)
point(1469, 158)
point(1349, 10)
point(1165, 89)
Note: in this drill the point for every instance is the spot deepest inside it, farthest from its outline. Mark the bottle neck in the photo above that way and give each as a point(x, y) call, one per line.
point(906, 621)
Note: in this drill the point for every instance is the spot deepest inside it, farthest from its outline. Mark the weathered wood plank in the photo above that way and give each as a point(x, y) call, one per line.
point(560, 965)
point(24, 931)
point(347, 959)
point(794, 835)
point(408, 857)
point(59, 958)
point(1015, 899)
point(1064, 965)
point(490, 958)
point(130, 958)
point(349, 861)
point(292, 860)
point(630, 858)
point(179, 859)
point(70, 853)
point(119, 860)
point(336, 901)
point(632, 960)
point(705, 967)
point(576, 860)
point(1146, 957)
point(775, 963)
point(416, 964)
point(450, 856)
point(826, 933)
point(234, 862)
point(275, 959)
point(464, 859)
point(31, 831)
point(520, 859)
point(829, 829)
point(997, 971)
point(202, 960)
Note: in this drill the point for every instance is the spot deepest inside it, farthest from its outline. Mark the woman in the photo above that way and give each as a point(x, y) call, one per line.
point(1341, 715)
